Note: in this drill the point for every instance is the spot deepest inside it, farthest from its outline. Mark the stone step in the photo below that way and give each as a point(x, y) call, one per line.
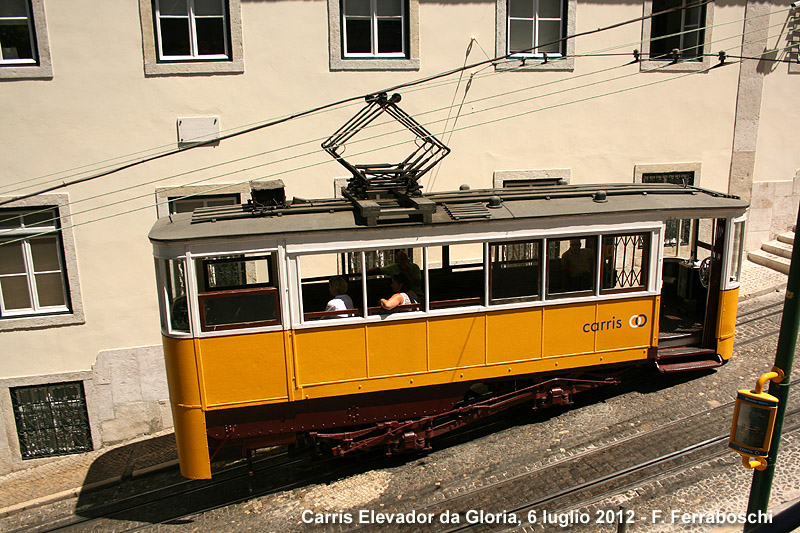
point(787, 237)
point(775, 262)
point(778, 248)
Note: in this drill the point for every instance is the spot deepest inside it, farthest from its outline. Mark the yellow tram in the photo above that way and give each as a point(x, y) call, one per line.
point(519, 295)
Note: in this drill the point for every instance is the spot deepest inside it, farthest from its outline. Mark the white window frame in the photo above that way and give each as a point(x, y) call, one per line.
point(665, 65)
point(155, 65)
point(374, 18)
point(72, 312)
point(40, 66)
point(194, 53)
point(535, 20)
point(408, 60)
point(533, 62)
point(25, 234)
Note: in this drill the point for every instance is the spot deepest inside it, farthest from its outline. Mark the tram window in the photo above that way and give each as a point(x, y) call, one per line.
point(328, 292)
point(176, 314)
point(382, 266)
point(736, 253)
point(239, 291)
point(705, 238)
point(456, 276)
point(625, 262)
point(571, 264)
point(678, 238)
point(515, 271)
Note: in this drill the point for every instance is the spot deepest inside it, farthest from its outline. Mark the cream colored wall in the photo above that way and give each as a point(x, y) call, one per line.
point(100, 105)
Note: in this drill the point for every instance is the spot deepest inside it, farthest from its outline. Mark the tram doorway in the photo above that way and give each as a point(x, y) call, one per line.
point(692, 276)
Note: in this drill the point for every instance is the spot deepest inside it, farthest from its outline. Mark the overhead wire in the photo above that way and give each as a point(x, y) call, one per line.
point(299, 114)
point(311, 153)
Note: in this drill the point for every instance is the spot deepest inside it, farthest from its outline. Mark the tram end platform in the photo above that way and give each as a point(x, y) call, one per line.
point(50, 481)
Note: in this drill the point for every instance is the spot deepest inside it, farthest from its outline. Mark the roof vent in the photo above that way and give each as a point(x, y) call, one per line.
point(600, 197)
point(268, 193)
point(495, 202)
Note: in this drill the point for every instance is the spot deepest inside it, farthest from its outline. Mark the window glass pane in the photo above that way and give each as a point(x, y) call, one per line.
point(14, 290)
point(550, 9)
point(520, 8)
point(624, 261)
point(390, 36)
point(358, 37)
point(13, 8)
point(231, 273)
point(327, 292)
point(397, 283)
point(736, 253)
point(50, 289)
point(247, 307)
point(571, 265)
point(549, 35)
point(176, 295)
point(41, 219)
point(45, 253)
point(520, 36)
point(389, 8)
point(10, 218)
point(357, 7)
point(516, 271)
point(175, 36)
point(210, 36)
point(173, 7)
point(692, 16)
point(459, 281)
point(208, 7)
point(15, 41)
point(11, 259)
point(187, 205)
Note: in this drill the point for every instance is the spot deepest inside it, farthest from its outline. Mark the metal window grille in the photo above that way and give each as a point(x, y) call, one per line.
point(51, 419)
point(625, 266)
point(678, 178)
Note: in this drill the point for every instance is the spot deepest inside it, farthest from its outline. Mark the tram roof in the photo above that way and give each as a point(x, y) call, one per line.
point(459, 207)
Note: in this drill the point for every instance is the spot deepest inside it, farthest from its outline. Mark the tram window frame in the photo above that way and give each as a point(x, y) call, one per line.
point(644, 258)
point(494, 247)
point(448, 266)
point(737, 252)
point(374, 273)
point(171, 300)
point(562, 293)
point(234, 291)
point(350, 261)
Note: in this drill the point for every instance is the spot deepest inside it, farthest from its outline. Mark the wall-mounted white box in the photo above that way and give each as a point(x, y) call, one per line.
point(193, 130)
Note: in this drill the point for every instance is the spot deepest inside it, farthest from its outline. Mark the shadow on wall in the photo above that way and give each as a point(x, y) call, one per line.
point(773, 210)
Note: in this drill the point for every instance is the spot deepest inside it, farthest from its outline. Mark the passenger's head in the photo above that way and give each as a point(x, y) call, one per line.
point(399, 281)
point(401, 257)
point(575, 243)
point(337, 285)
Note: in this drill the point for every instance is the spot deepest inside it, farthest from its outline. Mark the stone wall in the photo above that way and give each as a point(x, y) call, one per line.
point(773, 210)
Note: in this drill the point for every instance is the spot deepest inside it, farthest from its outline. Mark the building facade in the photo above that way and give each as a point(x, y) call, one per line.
point(100, 97)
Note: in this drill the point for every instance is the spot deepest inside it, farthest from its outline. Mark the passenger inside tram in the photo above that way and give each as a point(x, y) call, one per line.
point(337, 287)
point(403, 294)
point(403, 265)
point(576, 266)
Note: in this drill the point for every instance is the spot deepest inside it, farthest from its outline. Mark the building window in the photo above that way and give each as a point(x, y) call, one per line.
point(677, 29)
point(192, 29)
point(32, 271)
point(17, 39)
point(685, 27)
point(536, 27)
point(51, 419)
point(533, 30)
point(24, 48)
point(374, 28)
point(191, 37)
point(374, 34)
point(187, 205)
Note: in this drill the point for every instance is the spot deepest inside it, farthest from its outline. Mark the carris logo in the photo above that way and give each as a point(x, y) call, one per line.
point(637, 321)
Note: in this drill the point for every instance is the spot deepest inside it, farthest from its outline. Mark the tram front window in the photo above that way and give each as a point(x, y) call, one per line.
point(571, 264)
point(175, 310)
point(237, 292)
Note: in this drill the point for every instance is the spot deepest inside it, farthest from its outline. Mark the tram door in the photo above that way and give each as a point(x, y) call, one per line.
point(692, 275)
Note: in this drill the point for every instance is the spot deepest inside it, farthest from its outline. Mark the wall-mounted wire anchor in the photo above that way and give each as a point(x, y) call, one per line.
point(722, 57)
point(676, 55)
point(636, 55)
point(544, 55)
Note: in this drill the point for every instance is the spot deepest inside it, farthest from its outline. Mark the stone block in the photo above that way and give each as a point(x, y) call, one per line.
point(759, 220)
point(130, 420)
point(153, 374)
point(103, 402)
point(754, 239)
point(166, 414)
point(125, 380)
